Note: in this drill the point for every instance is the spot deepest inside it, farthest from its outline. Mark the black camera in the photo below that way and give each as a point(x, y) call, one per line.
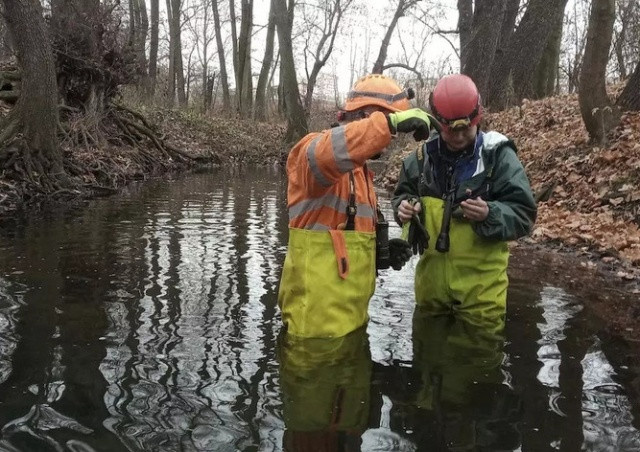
point(383, 255)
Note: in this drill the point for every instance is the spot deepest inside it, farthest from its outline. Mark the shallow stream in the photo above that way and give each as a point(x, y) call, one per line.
point(148, 321)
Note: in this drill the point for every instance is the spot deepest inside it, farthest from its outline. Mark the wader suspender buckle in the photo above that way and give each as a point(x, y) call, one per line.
point(352, 208)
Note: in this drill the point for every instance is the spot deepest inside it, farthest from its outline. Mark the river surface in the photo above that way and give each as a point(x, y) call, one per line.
point(148, 321)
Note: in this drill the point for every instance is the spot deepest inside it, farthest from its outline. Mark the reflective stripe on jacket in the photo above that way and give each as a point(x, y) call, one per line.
point(318, 171)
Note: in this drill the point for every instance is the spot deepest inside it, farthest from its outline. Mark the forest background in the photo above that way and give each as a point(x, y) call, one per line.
point(97, 93)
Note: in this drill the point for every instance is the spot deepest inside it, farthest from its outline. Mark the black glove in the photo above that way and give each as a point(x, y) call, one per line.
point(418, 235)
point(414, 120)
point(399, 253)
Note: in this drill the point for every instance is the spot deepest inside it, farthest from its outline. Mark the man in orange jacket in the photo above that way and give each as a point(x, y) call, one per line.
point(330, 269)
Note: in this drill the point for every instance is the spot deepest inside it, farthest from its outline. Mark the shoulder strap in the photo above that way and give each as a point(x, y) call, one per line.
point(352, 207)
point(420, 157)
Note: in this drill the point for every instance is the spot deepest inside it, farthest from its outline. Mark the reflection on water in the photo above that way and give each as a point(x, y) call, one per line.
point(325, 386)
point(10, 301)
point(148, 321)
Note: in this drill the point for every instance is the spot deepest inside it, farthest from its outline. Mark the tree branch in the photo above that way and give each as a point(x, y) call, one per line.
point(408, 68)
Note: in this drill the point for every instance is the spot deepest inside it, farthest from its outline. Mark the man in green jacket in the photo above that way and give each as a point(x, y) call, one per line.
point(469, 190)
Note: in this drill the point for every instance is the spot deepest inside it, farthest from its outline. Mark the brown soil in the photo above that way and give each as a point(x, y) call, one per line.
point(614, 301)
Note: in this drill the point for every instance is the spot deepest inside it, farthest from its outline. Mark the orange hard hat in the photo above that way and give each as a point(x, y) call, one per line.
point(380, 90)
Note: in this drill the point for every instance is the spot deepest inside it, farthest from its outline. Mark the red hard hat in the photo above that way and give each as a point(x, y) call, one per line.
point(455, 102)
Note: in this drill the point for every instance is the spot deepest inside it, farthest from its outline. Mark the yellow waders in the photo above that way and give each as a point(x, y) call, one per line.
point(327, 281)
point(470, 279)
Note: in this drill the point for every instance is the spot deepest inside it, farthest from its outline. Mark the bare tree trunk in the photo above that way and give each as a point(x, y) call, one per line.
point(513, 76)
point(226, 97)
point(132, 23)
point(547, 70)
point(465, 24)
point(296, 119)
point(403, 7)
point(37, 107)
point(242, 56)
point(153, 46)
point(626, 17)
point(353, 52)
point(189, 78)
point(261, 88)
point(171, 82)
point(506, 33)
point(273, 93)
point(508, 23)
point(141, 38)
point(206, 97)
point(630, 97)
point(480, 48)
point(138, 29)
point(595, 106)
point(179, 69)
point(209, 84)
point(234, 52)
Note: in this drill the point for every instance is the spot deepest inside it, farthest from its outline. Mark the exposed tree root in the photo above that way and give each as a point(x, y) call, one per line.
point(101, 153)
point(9, 128)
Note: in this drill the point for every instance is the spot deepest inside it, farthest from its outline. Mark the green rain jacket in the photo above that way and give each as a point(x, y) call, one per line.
point(472, 275)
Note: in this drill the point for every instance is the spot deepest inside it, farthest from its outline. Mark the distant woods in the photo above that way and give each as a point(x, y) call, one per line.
point(67, 63)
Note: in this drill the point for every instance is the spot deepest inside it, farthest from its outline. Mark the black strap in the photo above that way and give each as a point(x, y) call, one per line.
point(485, 188)
point(352, 207)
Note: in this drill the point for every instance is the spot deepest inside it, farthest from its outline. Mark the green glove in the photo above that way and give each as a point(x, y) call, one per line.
point(414, 120)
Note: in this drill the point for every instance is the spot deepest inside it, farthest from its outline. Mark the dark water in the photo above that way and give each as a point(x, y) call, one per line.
point(148, 321)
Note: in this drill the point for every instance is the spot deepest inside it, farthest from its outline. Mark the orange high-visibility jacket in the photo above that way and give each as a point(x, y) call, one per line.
point(318, 170)
point(329, 274)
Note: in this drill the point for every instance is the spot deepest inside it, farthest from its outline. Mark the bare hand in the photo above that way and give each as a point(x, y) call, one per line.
point(406, 210)
point(475, 209)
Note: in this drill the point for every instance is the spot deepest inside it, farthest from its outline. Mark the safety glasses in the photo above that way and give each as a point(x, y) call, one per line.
point(457, 124)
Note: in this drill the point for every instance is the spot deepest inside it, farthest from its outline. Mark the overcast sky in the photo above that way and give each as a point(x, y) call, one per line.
point(369, 26)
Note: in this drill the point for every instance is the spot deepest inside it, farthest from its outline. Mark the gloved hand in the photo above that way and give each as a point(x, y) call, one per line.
point(418, 236)
point(399, 253)
point(414, 120)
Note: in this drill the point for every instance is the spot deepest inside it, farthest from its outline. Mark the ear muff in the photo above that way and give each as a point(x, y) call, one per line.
point(342, 115)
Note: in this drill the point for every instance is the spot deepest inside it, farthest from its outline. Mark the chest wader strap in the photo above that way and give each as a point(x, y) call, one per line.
point(352, 208)
point(340, 250)
point(420, 158)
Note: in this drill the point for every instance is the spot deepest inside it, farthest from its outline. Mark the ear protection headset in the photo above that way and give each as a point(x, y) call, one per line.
point(344, 115)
